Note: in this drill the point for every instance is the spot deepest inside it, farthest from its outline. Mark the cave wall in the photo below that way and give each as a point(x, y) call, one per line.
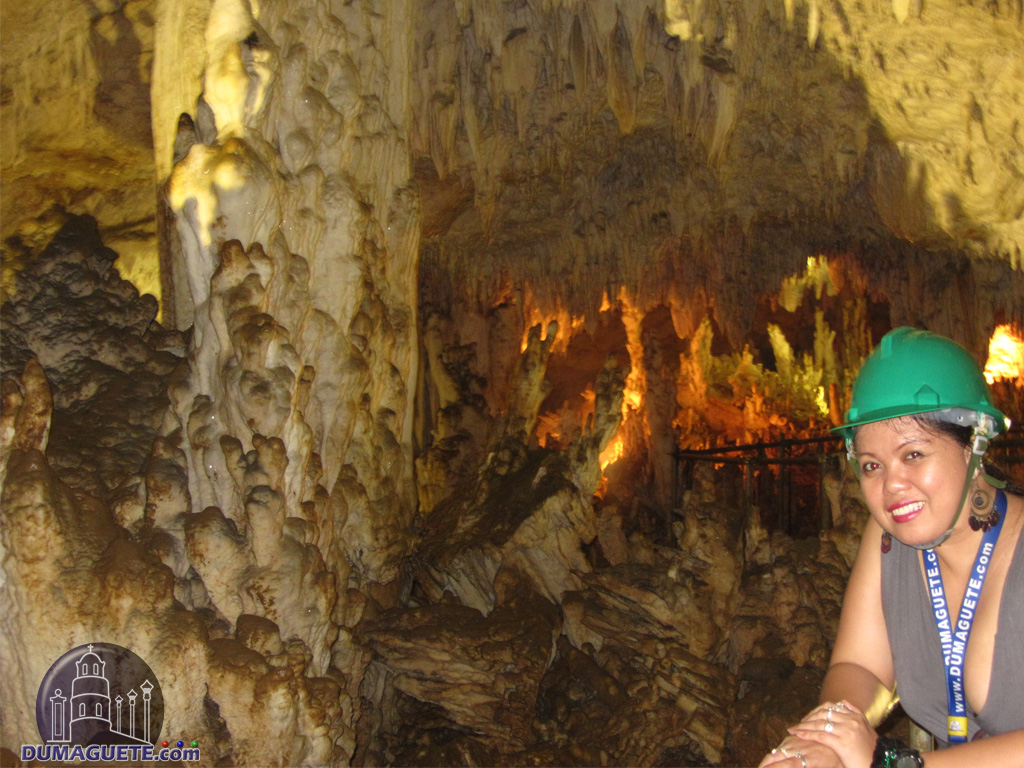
point(306, 332)
point(320, 509)
point(77, 122)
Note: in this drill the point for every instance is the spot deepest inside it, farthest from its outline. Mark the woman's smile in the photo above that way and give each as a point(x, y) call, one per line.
point(904, 512)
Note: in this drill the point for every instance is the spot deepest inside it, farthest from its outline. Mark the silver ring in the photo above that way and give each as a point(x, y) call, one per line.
point(828, 715)
point(829, 726)
point(803, 760)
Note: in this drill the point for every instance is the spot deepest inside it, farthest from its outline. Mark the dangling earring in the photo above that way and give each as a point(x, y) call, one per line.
point(886, 543)
point(980, 502)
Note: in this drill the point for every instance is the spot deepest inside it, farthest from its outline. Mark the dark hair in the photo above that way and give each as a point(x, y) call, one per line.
point(958, 433)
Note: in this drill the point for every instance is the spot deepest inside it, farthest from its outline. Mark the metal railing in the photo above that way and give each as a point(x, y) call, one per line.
point(786, 456)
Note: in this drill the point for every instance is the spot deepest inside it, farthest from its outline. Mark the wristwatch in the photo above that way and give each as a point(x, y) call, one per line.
point(892, 753)
point(907, 758)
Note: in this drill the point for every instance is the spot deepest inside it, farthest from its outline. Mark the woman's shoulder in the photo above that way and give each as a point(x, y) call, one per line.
point(1014, 525)
point(1002, 711)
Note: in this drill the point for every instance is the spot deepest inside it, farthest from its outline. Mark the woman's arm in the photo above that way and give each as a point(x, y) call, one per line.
point(847, 681)
point(861, 670)
point(1003, 751)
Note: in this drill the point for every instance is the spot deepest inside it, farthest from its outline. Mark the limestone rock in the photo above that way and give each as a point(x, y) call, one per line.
point(652, 635)
point(485, 672)
point(132, 564)
point(106, 358)
point(69, 574)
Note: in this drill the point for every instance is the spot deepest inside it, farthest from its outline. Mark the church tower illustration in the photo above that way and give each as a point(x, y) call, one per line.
point(90, 695)
point(91, 716)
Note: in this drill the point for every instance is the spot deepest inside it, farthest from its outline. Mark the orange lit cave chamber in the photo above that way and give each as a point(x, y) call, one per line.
point(738, 425)
point(1004, 368)
point(690, 395)
point(647, 380)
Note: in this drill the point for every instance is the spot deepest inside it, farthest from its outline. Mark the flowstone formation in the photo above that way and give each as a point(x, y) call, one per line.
point(100, 541)
point(295, 237)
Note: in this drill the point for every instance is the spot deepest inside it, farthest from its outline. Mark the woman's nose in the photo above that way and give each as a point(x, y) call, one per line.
point(895, 477)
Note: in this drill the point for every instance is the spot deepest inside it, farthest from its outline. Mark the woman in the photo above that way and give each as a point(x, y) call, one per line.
point(940, 569)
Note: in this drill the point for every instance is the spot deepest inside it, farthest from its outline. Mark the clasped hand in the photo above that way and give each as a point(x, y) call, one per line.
point(830, 736)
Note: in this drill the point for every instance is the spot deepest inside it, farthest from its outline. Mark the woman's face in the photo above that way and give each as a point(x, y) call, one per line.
point(912, 478)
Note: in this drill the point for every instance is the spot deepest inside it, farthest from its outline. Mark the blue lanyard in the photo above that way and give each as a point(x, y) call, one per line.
point(953, 637)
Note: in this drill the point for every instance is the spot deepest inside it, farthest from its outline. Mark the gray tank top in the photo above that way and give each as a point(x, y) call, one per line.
point(917, 653)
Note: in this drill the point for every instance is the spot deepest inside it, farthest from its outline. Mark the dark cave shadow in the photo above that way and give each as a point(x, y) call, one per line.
point(122, 99)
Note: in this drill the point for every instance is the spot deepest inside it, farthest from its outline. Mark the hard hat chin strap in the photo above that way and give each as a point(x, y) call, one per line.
point(972, 466)
point(979, 444)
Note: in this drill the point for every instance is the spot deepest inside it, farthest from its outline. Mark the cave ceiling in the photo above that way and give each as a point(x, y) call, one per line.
point(695, 153)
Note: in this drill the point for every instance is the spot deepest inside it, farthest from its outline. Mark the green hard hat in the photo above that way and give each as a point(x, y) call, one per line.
point(912, 371)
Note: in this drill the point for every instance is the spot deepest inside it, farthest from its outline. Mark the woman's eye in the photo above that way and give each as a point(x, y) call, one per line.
point(869, 466)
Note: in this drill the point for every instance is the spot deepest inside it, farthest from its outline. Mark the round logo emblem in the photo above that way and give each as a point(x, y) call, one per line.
point(99, 693)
